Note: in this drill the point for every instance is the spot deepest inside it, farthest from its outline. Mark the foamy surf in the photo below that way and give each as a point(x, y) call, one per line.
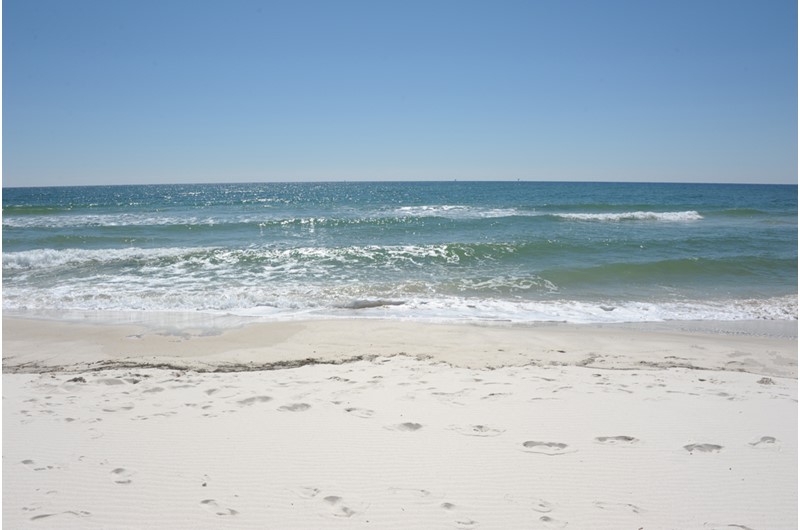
point(633, 216)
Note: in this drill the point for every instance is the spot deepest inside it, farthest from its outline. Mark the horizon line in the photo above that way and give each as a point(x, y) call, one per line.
point(404, 181)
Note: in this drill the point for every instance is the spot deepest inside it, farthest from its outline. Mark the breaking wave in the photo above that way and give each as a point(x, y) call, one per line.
point(633, 216)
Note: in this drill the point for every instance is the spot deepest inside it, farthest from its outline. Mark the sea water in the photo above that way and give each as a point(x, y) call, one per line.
point(514, 251)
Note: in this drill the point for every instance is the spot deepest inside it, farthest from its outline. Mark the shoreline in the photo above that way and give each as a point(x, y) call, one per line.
point(209, 343)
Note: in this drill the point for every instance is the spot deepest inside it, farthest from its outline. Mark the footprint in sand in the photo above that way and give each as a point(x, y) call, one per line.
point(495, 395)
point(255, 399)
point(295, 407)
point(361, 413)
point(537, 505)
point(546, 448)
point(703, 448)
point(766, 442)
point(30, 464)
point(476, 430)
point(550, 522)
point(462, 521)
point(336, 508)
point(213, 507)
point(121, 475)
point(407, 427)
point(619, 506)
point(414, 495)
point(616, 440)
point(71, 513)
point(119, 408)
point(541, 506)
point(306, 492)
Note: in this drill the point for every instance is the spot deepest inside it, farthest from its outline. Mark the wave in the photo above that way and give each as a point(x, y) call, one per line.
point(575, 311)
point(313, 301)
point(134, 220)
point(690, 215)
point(455, 267)
point(232, 222)
point(100, 220)
point(50, 258)
point(400, 215)
point(446, 253)
point(460, 212)
point(469, 212)
point(447, 281)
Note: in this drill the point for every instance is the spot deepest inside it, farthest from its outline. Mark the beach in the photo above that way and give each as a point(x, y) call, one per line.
point(190, 421)
point(418, 265)
point(400, 355)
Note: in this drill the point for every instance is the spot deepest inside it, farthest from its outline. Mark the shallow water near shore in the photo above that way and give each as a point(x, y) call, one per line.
point(512, 251)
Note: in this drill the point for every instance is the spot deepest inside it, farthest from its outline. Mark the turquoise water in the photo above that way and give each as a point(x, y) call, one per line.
point(519, 251)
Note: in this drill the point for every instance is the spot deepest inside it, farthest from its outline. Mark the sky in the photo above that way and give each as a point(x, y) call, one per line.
point(170, 91)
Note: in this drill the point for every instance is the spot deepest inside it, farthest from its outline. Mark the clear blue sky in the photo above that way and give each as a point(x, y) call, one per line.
point(117, 91)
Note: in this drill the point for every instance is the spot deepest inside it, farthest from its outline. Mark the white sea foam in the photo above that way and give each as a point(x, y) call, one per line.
point(433, 281)
point(101, 220)
point(690, 215)
point(460, 309)
point(263, 219)
point(442, 210)
point(154, 219)
point(219, 258)
point(48, 258)
point(459, 211)
point(260, 296)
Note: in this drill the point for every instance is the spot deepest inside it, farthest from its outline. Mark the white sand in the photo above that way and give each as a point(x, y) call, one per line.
point(475, 427)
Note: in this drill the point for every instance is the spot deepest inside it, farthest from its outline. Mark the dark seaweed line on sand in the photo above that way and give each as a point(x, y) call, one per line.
point(96, 366)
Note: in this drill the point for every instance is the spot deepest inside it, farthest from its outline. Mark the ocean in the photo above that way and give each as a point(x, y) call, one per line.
point(436, 251)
